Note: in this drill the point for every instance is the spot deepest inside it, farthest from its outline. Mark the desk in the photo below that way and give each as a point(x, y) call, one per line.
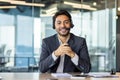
point(37, 76)
point(45, 76)
point(19, 76)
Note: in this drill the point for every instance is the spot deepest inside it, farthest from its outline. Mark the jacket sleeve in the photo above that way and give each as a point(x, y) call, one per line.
point(46, 60)
point(84, 64)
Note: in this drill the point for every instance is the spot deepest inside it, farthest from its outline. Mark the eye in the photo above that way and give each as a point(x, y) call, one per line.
point(58, 22)
point(67, 22)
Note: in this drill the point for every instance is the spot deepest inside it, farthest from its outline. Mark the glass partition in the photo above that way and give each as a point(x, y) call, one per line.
point(99, 28)
point(16, 33)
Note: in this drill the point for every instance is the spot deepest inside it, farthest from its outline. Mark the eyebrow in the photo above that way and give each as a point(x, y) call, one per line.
point(64, 20)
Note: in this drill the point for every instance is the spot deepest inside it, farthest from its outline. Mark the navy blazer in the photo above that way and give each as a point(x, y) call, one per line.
point(77, 44)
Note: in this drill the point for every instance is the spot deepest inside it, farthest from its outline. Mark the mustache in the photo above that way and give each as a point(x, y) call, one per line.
point(66, 28)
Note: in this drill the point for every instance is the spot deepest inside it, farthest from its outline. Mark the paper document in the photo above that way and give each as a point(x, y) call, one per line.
point(61, 75)
point(0, 78)
point(102, 75)
point(64, 75)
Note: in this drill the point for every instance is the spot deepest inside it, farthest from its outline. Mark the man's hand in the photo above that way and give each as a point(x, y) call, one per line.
point(64, 49)
point(59, 50)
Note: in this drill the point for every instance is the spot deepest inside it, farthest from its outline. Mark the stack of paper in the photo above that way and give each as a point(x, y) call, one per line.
point(58, 75)
point(102, 75)
point(66, 75)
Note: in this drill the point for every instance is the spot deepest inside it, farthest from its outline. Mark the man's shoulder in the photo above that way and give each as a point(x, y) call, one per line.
point(77, 37)
point(52, 37)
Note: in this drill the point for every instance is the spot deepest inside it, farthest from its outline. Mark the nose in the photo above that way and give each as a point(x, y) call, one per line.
point(62, 24)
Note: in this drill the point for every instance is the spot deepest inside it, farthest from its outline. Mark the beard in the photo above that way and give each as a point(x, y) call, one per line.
point(64, 32)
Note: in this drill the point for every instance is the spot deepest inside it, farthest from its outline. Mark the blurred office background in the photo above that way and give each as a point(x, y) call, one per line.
point(24, 23)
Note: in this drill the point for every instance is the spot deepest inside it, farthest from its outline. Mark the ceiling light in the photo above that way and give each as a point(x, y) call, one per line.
point(94, 3)
point(54, 9)
point(80, 6)
point(75, 4)
point(23, 3)
point(51, 11)
point(118, 8)
point(7, 7)
point(27, 4)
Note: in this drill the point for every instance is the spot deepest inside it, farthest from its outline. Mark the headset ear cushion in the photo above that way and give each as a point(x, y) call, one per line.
point(53, 26)
point(72, 25)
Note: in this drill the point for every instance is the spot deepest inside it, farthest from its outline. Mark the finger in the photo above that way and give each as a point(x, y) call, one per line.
point(67, 54)
point(65, 44)
point(67, 48)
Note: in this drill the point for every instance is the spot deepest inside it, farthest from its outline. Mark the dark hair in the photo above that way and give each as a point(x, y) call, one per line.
point(62, 12)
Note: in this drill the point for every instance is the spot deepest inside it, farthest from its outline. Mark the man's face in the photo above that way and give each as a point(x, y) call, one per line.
point(62, 25)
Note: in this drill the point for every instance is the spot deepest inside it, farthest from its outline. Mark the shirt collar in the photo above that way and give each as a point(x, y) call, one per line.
point(66, 39)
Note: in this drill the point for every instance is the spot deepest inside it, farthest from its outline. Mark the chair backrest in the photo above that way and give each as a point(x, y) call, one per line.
point(7, 55)
point(2, 49)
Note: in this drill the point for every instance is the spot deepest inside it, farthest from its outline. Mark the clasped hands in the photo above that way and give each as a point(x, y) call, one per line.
point(64, 49)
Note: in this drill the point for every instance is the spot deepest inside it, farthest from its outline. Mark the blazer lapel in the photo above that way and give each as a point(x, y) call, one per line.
point(71, 40)
point(57, 44)
point(55, 47)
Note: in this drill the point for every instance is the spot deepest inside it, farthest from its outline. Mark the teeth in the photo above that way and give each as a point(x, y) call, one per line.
point(63, 29)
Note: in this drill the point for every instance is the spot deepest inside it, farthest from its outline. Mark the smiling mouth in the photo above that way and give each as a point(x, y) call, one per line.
point(63, 30)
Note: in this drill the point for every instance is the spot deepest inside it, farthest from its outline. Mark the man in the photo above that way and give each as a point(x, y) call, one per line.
point(64, 52)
